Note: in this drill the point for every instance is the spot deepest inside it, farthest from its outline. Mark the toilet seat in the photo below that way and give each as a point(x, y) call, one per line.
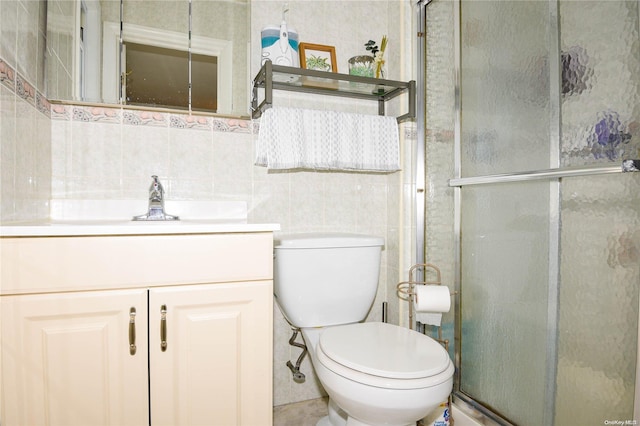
point(384, 355)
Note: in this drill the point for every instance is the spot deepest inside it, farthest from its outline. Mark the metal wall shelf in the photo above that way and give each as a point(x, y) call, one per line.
point(277, 77)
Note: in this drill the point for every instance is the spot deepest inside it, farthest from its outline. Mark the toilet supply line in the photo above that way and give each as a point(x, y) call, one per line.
point(298, 376)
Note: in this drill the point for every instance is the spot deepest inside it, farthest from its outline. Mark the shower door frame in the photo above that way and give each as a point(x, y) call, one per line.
point(553, 174)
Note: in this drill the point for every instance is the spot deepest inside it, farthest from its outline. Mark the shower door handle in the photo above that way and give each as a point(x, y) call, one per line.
point(588, 170)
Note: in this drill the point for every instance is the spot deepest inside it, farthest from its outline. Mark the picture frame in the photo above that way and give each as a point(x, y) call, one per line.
point(318, 57)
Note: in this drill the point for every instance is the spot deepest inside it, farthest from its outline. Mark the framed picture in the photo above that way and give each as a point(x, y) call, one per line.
point(318, 57)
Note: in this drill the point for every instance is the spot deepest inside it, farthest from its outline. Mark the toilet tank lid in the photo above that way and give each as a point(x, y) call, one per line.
point(326, 240)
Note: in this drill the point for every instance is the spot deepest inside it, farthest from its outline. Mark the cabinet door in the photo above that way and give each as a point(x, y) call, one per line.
point(216, 366)
point(66, 359)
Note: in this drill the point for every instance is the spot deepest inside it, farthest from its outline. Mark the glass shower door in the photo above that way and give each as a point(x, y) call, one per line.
point(507, 245)
point(600, 232)
point(549, 258)
point(598, 316)
point(504, 298)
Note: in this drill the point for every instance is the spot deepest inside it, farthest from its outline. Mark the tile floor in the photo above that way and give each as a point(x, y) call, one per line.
point(304, 413)
point(307, 413)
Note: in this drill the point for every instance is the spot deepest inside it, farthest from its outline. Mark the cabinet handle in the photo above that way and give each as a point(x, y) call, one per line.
point(132, 331)
point(163, 328)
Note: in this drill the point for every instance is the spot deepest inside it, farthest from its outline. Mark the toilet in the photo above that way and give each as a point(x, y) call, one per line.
point(374, 373)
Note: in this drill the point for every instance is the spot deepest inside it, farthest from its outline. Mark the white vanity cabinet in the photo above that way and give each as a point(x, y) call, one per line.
point(63, 360)
point(137, 329)
point(215, 365)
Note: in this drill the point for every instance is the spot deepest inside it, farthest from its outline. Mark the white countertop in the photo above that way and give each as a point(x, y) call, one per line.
point(76, 217)
point(117, 227)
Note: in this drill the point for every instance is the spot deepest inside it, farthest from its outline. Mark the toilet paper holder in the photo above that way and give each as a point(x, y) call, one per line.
point(406, 288)
point(406, 291)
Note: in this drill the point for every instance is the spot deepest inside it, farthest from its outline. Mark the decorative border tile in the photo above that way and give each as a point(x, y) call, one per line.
point(61, 112)
point(233, 125)
point(96, 114)
point(43, 105)
point(189, 122)
point(20, 87)
point(216, 124)
point(144, 118)
point(136, 117)
point(7, 76)
point(25, 90)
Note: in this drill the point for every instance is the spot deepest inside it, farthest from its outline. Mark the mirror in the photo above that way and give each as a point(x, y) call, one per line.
point(178, 54)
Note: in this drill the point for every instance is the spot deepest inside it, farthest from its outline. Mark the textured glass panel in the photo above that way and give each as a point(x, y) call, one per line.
point(505, 262)
point(507, 249)
point(600, 276)
point(439, 148)
point(505, 86)
point(600, 81)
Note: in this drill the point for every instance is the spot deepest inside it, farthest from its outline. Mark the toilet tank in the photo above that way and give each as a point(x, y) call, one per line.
point(326, 279)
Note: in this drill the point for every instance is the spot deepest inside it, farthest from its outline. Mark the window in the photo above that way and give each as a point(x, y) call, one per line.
point(158, 76)
point(204, 51)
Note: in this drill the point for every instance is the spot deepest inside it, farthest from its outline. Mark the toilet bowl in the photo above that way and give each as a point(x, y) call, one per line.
point(378, 373)
point(374, 373)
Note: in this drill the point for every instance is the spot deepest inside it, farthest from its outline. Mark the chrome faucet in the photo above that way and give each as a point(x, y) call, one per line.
point(156, 203)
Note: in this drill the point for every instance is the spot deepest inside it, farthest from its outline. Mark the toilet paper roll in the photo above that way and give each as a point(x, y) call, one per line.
point(430, 302)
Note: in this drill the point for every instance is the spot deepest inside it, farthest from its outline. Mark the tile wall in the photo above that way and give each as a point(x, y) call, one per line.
point(102, 152)
point(25, 131)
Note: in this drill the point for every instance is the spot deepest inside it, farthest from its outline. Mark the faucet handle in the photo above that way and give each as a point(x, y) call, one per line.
point(156, 203)
point(156, 191)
